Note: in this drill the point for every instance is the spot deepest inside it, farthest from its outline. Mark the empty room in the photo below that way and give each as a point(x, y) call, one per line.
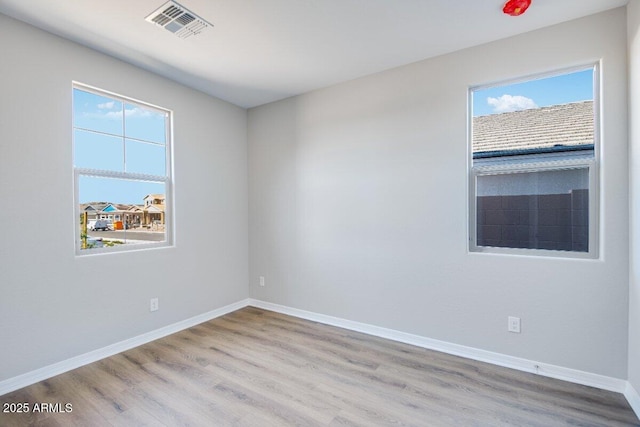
point(320, 213)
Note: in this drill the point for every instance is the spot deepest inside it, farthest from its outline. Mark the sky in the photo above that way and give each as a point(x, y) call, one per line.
point(110, 135)
point(562, 89)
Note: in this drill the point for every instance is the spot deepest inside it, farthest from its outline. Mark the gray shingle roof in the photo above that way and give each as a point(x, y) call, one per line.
point(565, 124)
point(99, 206)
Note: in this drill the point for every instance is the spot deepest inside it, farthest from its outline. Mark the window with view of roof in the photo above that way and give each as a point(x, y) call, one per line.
point(533, 165)
point(122, 171)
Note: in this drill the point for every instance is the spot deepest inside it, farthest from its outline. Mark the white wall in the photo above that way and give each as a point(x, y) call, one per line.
point(358, 207)
point(633, 17)
point(54, 305)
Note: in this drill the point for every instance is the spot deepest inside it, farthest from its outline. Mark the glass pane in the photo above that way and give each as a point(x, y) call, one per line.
point(97, 113)
point(145, 124)
point(147, 158)
point(545, 115)
point(534, 210)
point(115, 212)
point(98, 151)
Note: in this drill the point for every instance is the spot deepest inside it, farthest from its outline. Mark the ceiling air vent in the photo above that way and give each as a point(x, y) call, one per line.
point(178, 20)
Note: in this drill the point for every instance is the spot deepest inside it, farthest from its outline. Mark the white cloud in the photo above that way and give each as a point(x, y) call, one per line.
point(137, 112)
point(107, 105)
point(129, 112)
point(507, 103)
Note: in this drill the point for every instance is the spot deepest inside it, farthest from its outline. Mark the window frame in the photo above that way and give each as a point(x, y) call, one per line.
point(532, 163)
point(167, 179)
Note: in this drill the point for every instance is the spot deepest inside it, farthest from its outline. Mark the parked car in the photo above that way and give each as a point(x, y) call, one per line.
point(102, 224)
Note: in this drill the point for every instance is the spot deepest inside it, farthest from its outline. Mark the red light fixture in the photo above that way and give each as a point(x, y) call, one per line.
point(516, 7)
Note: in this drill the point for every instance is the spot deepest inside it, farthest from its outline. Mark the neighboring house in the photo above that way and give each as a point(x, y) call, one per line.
point(151, 213)
point(118, 212)
point(565, 130)
point(134, 215)
point(153, 210)
point(544, 210)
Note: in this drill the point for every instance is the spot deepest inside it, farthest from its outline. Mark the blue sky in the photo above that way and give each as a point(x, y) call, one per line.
point(114, 136)
point(562, 89)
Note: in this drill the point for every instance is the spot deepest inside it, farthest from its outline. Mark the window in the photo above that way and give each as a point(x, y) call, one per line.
point(533, 165)
point(122, 172)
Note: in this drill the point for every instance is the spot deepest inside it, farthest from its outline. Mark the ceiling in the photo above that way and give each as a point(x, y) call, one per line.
point(259, 51)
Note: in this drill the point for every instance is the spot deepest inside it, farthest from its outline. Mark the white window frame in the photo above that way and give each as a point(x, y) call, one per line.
point(538, 163)
point(166, 179)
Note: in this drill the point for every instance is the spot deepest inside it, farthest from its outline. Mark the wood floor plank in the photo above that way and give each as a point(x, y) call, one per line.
point(254, 367)
point(60, 390)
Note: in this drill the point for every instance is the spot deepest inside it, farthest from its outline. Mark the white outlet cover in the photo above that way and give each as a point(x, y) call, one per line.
point(513, 324)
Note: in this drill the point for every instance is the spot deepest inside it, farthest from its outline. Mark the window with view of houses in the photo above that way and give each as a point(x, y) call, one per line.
point(533, 165)
point(122, 164)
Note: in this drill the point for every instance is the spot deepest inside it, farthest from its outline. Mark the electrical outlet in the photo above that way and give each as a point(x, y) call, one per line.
point(261, 280)
point(153, 304)
point(513, 324)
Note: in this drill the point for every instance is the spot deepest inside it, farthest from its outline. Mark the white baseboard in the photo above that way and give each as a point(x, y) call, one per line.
point(37, 375)
point(633, 398)
point(552, 371)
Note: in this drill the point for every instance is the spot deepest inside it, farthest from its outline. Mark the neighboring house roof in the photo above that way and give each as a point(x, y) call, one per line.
point(95, 206)
point(569, 125)
point(119, 207)
point(122, 207)
point(155, 208)
point(108, 207)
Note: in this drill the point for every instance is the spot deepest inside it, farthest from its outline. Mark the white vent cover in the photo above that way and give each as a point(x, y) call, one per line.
point(179, 20)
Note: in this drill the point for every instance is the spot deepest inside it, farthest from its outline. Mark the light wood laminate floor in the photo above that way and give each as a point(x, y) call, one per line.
point(258, 368)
